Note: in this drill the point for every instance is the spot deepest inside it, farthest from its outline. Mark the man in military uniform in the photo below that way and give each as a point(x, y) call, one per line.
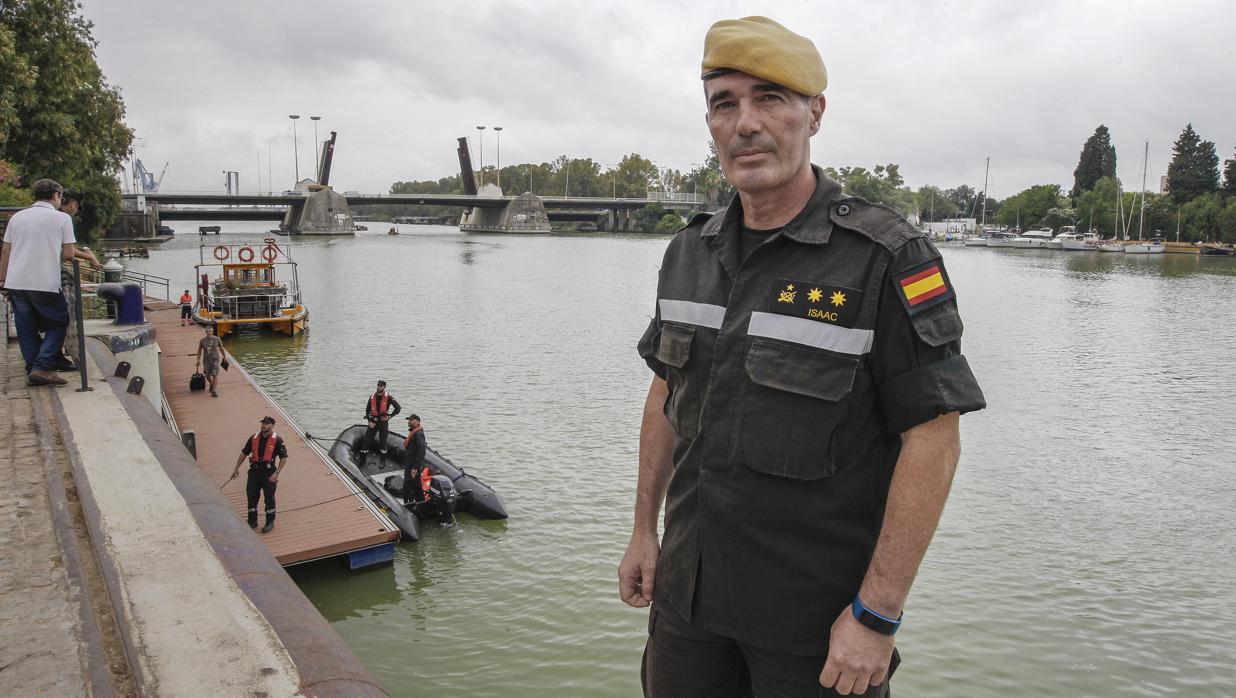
point(802, 425)
point(262, 449)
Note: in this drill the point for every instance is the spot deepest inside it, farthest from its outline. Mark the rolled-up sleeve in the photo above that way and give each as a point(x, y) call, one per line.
point(648, 346)
point(916, 360)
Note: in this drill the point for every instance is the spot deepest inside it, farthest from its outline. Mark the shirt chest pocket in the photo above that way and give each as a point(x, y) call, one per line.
point(682, 408)
point(793, 403)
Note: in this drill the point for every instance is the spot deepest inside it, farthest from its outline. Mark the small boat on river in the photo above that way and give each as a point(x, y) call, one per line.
point(256, 286)
point(381, 478)
point(1151, 246)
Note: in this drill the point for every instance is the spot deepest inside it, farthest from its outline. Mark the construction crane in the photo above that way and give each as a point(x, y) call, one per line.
point(146, 178)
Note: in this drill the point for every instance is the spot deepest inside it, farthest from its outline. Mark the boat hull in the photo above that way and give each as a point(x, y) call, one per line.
point(291, 322)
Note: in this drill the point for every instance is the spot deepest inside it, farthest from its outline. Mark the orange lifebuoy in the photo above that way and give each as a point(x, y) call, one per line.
point(222, 253)
point(269, 253)
point(245, 254)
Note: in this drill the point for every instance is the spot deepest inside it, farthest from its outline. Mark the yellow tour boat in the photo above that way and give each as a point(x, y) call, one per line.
point(256, 287)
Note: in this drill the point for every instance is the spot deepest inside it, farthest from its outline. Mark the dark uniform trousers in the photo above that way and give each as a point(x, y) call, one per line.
point(791, 372)
point(682, 660)
point(375, 436)
point(259, 484)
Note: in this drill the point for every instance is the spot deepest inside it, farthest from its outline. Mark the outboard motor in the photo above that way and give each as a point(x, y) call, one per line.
point(443, 498)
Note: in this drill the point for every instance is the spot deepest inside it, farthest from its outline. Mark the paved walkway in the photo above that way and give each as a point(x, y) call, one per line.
point(41, 647)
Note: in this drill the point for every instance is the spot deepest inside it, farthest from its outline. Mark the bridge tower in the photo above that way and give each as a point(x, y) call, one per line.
point(523, 214)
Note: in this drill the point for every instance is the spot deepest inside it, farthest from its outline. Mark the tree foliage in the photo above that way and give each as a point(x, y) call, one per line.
point(882, 185)
point(1097, 160)
point(648, 217)
point(59, 118)
point(1229, 176)
point(934, 204)
point(1040, 205)
point(1194, 169)
point(1227, 221)
point(1203, 218)
point(670, 223)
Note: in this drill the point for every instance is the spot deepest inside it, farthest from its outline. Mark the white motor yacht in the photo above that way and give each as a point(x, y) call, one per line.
point(1033, 239)
point(1057, 243)
point(1078, 242)
point(1001, 240)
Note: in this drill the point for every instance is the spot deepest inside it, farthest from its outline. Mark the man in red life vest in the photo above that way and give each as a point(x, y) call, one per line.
point(186, 308)
point(262, 448)
point(379, 409)
point(415, 475)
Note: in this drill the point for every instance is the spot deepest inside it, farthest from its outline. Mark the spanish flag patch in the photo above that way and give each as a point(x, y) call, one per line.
point(924, 286)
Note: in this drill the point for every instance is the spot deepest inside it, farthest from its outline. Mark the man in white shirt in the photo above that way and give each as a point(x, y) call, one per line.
point(36, 241)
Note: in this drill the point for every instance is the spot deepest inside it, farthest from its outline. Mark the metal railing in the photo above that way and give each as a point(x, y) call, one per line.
point(677, 196)
point(146, 281)
point(252, 306)
point(4, 302)
point(77, 328)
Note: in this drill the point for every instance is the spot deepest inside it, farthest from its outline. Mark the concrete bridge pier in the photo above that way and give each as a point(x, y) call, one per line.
point(523, 214)
point(323, 212)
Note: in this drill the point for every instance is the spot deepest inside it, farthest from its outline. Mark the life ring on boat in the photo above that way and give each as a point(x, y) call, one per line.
point(269, 253)
point(222, 253)
point(245, 254)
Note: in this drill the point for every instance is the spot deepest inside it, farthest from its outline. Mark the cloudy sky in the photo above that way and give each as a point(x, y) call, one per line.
point(936, 86)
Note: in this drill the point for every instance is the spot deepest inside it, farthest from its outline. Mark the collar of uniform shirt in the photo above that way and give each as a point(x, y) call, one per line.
point(812, 225)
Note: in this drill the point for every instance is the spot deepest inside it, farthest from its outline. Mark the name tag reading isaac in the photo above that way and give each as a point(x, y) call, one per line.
point(827, 303)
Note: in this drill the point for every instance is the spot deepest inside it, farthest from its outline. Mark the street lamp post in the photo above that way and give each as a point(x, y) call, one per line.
point(481, 167)
point(316, 158)
point(270, 187)
point(498, 130)
point(295, 155)
point(529, 178)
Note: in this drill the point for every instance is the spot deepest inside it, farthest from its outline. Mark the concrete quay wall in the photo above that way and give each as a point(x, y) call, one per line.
point(196, 603)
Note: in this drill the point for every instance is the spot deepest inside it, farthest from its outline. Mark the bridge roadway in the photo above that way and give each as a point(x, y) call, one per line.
point(461, 200)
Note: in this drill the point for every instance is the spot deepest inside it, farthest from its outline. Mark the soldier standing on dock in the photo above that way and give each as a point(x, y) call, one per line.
point(262, 449)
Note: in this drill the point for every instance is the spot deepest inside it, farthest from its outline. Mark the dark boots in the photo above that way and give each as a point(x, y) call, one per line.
point(270, 522)
point(253, 518)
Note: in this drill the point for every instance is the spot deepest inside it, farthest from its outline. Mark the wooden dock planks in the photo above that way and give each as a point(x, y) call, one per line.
point(321, 514)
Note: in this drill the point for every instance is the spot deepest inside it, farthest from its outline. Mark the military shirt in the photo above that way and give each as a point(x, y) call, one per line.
point(791, 376)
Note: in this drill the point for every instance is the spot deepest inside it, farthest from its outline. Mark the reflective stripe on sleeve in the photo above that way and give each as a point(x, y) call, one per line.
point(702, 314)
point(812, 333)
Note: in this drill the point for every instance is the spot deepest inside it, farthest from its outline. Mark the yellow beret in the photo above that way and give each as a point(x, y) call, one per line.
point(762, 48)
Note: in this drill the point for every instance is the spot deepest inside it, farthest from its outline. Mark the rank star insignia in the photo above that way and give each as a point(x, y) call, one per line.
point(787, 294)
point(814, 295)
point(838, 298)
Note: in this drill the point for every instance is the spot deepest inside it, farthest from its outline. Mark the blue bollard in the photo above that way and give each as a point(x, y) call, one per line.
point(128, 299)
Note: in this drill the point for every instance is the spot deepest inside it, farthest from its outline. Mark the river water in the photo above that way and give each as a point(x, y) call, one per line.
point(1087, 548)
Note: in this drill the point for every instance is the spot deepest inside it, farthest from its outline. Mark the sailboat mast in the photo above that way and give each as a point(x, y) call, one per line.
point(986, 170)
point(1141, 214)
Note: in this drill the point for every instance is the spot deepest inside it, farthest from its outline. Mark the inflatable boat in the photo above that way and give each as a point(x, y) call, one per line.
point(450, 490)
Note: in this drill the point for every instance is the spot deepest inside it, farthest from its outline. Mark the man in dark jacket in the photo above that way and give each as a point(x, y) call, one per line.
point(802, 422)
point(413, 461)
